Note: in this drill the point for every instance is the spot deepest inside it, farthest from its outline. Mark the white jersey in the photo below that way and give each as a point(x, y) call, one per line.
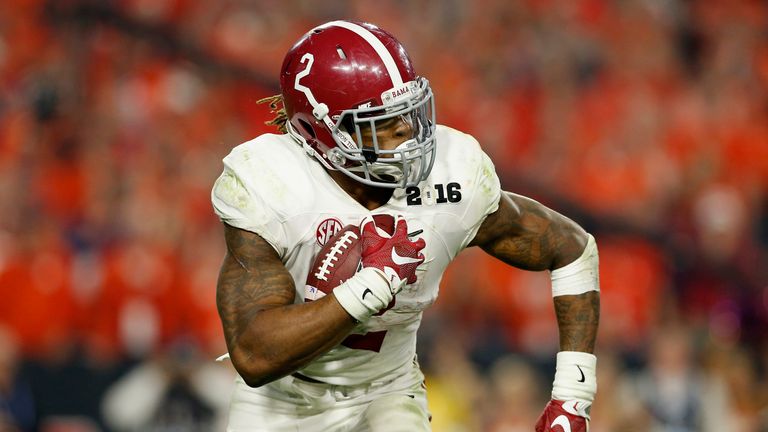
point(271, 187)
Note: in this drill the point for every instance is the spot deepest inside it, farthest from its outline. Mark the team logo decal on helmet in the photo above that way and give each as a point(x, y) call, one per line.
point(342, 78)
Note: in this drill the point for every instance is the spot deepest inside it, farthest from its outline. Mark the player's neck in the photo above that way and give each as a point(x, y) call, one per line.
point(369, 197)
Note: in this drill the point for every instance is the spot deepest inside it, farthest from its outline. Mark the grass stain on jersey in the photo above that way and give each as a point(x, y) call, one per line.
point(231, 190)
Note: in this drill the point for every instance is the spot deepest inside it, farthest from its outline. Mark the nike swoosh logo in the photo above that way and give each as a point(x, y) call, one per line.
point(366, 292)
point(563, 422)
point(401, 260)
point(583, 378)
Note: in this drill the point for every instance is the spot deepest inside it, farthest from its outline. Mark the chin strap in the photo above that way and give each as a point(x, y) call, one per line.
point(388, 169)
point(380, 171)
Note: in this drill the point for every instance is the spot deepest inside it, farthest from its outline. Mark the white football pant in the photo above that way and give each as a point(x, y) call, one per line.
point(295, 405)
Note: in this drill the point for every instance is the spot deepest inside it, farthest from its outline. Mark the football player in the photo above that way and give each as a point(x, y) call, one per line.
point(359, 139)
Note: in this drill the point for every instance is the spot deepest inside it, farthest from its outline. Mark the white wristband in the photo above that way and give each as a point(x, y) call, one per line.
point(575, 377)
point(364, 294)
point(579, 276)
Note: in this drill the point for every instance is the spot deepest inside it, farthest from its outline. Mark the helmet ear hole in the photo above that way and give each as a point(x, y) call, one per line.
point(307, 128)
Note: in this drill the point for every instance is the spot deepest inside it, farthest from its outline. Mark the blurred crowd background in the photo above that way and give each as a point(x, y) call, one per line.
point(644, 120)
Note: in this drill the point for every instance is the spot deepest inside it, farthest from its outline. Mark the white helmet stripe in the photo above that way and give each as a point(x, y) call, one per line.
point(381, 50)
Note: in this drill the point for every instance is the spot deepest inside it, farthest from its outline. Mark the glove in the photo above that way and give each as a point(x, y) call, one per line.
point(389, 262)
point(568, 416)
point(395, 255)
point(573, 391)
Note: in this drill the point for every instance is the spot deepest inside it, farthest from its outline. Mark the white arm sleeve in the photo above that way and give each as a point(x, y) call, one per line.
point(579, 276)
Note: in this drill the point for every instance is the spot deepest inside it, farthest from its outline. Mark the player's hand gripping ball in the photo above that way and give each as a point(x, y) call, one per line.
point(337, 261)
point(382, 243)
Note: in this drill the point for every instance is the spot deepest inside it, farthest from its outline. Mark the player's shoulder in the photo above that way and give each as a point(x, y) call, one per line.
point(455, 141)
point(272, 169)
point(273, 150)
point(458, 154)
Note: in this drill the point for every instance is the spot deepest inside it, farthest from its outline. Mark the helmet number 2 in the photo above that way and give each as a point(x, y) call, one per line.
point(309, 59)
point(448, 193)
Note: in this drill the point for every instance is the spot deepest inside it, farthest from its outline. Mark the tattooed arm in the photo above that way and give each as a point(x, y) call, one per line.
point(267, 335)
point(525, 234)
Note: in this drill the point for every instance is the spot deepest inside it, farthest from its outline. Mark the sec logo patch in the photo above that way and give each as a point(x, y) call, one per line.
point(326, 229)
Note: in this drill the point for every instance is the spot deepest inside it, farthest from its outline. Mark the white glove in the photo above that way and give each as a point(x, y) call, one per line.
point(366, 293)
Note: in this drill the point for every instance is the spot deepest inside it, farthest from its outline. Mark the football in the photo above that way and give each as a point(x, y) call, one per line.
point(337, 261)
point(339, 258)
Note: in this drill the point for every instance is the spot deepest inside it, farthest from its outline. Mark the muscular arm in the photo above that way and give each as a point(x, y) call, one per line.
point(525, 234)
point(267, 335)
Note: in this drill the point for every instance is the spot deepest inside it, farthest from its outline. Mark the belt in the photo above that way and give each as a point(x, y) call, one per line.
point(306, 378)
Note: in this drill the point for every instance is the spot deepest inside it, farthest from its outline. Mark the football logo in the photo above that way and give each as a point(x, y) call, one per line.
point(326, 229)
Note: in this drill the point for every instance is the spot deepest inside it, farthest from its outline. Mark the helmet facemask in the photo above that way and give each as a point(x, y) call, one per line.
point(341, 83)
point(365, 161)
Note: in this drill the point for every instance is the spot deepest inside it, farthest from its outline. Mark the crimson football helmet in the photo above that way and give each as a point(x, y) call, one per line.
point(343, 76)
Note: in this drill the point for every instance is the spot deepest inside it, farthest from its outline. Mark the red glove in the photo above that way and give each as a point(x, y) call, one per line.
point(569, 416)
point(396, 255)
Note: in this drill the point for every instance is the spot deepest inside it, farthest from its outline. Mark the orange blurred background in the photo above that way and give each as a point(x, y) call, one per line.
point(645, 121)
